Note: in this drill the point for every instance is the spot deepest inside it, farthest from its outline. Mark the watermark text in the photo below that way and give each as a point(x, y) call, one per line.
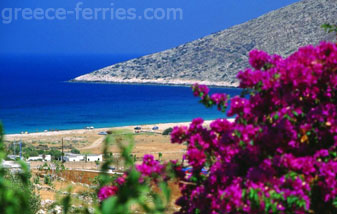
point(81, 12)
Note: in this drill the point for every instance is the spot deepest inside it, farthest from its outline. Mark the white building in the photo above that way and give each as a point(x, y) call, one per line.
point(91, 158)
point(13, 157)
point(40, 158)
point(47, 158)
point(12, 166)
point(70, 157)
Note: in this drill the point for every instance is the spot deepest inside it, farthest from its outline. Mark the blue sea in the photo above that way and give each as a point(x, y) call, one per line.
point(34, 96)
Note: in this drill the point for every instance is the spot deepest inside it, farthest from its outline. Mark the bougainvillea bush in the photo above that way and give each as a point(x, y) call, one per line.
point(278, 155)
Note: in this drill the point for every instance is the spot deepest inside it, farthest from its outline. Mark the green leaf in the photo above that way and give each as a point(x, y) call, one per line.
point(254, 197)
point(108, 206)
point(66, 202)
point(237, 133)
point(277, 76)
point(334, 202)
point(194, 179)
point(242, 144)
point(295, 113)
point(243, 193)
point(291, 200)
point(276, 116)
point(334, 154)
point(166, 191)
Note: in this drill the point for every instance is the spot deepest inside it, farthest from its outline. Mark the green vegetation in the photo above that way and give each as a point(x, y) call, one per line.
point(75, 151)
point(330, 28)
point(17, 193)
point(55, 154)
point(119, 132)
point(36, 180)
point(31, 151)
point(167, 131)
point(47, 180)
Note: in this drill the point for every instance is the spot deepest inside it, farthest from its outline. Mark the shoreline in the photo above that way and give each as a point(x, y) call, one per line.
point(145, 127)
point(157, 82)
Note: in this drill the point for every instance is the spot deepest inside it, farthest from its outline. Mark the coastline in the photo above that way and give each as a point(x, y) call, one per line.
point(145, 127)
point(89, 78)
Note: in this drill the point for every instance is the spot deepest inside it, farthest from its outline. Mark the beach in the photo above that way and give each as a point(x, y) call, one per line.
point(146, 127)
point(146, 140)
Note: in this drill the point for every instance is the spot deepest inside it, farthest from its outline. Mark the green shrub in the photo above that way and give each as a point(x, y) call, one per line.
point(167, 131)
point(36, 180)
point(56, 154)
point(47, 180)
point(17, 193)
point(75, 151)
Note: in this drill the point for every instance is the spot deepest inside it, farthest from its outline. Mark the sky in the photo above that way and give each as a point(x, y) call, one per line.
point(126, 27)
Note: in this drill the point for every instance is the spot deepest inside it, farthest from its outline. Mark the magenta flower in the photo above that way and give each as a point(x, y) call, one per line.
point(249, 78)
point(258, 59)
point(150, 166)
point(281, 146)
point(280, 153)
point(239, 105)
point(106, 192)
point(179, 134)
point(200, 90)
point(219, 98)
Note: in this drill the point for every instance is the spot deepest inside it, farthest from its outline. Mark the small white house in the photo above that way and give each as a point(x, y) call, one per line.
point(91, 158)
point(40, 158)
point(70, 157)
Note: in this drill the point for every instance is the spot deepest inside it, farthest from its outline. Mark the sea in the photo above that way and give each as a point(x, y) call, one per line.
point(35, 96)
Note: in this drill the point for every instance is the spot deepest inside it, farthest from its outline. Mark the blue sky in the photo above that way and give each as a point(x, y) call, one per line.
point(121, 37)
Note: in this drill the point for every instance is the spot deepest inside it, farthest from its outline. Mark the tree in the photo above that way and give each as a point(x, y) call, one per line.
point(75, 151)
point(56, 154)
point(167, 131)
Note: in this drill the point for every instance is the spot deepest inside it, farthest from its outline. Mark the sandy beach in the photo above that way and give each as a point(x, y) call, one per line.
point(148, 127)
point(90, 141)
point(147, 140)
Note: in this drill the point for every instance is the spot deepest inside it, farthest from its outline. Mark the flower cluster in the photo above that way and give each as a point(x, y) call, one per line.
point(150, 170)
point(150, 167)
point(220, 100)
point(106, 192)
point(279, 155)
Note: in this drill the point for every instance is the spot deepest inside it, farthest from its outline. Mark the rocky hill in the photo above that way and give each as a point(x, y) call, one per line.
point(217, 58)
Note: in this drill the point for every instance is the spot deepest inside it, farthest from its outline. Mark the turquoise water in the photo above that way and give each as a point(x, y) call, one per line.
point(35, 97)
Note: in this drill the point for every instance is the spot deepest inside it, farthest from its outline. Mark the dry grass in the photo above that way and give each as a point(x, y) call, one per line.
point(77, 176)
point(89, 141)
point(79, 140)
point(51, 192)
point(147, 144)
